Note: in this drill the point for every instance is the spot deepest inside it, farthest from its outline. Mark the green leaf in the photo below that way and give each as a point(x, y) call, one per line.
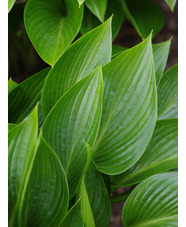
point(46, 197)
point(52, 25)
point(74, 119)
point(168, 94)
point(113, 8)
point(145, 15)
point(161, 155)
point(24, 97)
point(129, 109)
point(85, 207)
point(21, 145)
point(117, 50)
point(97, 7)
point(98, 197)
point(10, 126)
point(80, 2)
point(153, 202)
point(74, 217)
point(161, 53)
point(171, 4)
point(10, 4)
point(11, 85)
point(91, 50)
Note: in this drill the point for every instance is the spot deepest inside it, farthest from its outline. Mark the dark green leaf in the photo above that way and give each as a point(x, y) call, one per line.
point(52, 25)
point(10, 126)
point(161, 155)
point(129, 109)
point(161, 53)
point(24, 97)
point(153, 203)
point(168, 94)
point(145, 15)
point(97, 7)
point(74, 119)
point(117, 50)
point(11, 85)
point(91, 50)
point(171, 4)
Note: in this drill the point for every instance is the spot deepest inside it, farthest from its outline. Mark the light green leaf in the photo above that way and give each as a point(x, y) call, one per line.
point(97, 7)
point(52, 25)
point(117, 50)
point(168, 94)
point(24, 97)
point(153, 203)
point(80, 2)
point(171, 4)
point(129, 109)
point(46, 196)
point(145, 15)
point(21, 145)
point(10, 126)
point(85, 207)
point(74, 119)
point(161, 155)
point(114, 8)
point(11, 85)
point(161, 53)
point(91, 50)
point(10, 4)
point(74, 218)
point(98, 197)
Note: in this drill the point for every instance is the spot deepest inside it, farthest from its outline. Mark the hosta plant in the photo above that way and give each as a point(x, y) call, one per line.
point(98, 118)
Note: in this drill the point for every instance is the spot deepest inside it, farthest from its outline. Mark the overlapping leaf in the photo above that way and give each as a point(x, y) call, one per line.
point(83, 56)
point(97, 7)
point(171, 4)
point(129, 109)
point(161, 52)
point(10, 126)
point(117, 50)
point(168, 94)
point(24, 97)
point(52, 25)
point(10, 4)
point(145, 15)
point(35, 176)
point(74, 119)
point(153, 203)
point(161, 155)
point(113, 8)
point(11, 85)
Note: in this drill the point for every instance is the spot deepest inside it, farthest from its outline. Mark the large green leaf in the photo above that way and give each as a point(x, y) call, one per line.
point(171, 4)
point(52, 25)
point(91, 50)
point(129, 109)
point(168, 94)
point(21, 145)
point(97, 196)
point(74, 119)
point(24, 97)
point(145, 15)
point(97, 7)
point(74, 218)
point(113, 8)
point(153, 203)
point(161, 53)
point(10, 4)
point(46, 196)
point(161, 155)
point(11, 85)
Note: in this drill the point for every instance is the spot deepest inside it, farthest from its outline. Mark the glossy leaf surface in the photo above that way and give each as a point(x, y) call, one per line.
point(98, 197)
point(168, 94)
point(91, 50)
point(171, 4)
point(161, 52)
point(129, 109)
point(74, 119)
point(25, 96)
point(97, 7)
point(11, 85)
point(52, 25)
point(145, 15)
point(153, 203)
point(161, 155)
